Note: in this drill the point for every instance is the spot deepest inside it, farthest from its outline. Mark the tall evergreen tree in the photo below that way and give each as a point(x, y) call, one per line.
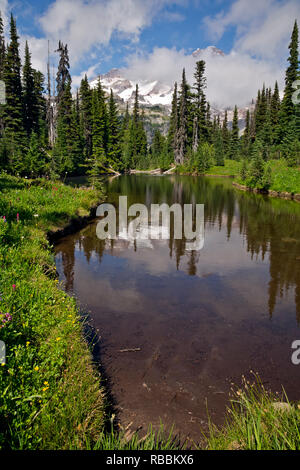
point(64, 143)
point(39, 81)
point(76, 138)
point(173, 128)
point(184, 124)
point(30, 99)
point(247, 135)
point(34, 161)
point(225, 135)
point(85, 99)
point(136, 107)
point(2, 63)
point(200, 104)
point(288, 109)
point(63, 76)
point(64, 103)
point(114, 134)
point(2, 47)
point(98, 160)
point(234, 143)
point(274, 111)
point(137, 145)
point(13, 110)
point(261, 112)
point(208, 122)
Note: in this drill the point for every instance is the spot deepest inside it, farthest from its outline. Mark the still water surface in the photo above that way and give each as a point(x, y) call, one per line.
point(200, 319)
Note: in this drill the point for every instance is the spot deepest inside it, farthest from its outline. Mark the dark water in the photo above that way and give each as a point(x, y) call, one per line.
point(201, 319)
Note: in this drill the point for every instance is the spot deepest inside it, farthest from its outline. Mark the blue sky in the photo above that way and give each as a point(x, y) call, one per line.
point(176, 24)
point(154, 38)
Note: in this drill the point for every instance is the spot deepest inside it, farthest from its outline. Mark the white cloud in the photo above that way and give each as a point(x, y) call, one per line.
point(235, 78)
point(4, 14)
point(3, 7)
point(263, 28)
point(39, 51)
point(84, 24)
point(263, 31)
point(162, 64)
point(90, 73)
point(232, 79)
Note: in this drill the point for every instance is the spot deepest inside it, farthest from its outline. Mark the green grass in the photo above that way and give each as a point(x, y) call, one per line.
point(126, 440)
point(49, 391)
point(256, 422)
point(231, 168)
point(284, 178)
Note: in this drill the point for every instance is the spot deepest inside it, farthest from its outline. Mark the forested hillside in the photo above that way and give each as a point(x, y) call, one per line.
point(65, 133)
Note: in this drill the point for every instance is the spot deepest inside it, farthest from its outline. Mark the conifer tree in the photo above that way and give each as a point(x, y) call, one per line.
point(35, 158)
point(63, 76)
point(288, 109)
point(246, 135)
point(173, 128)
point(142, 139)
point(13, 112)
point(183, 127)
point(30, 98)
point(267, 133)
point(261, 112)
point(2, 63)
point(208, 122)
point(219, 149)
point(125, 139)
point(2, 47)
point(76, 138)
point(200, 104)
point(274, 111)
point(63, 144)
point(114, 134)
point(137, 145)
point(157, 145)
point(136, 107)
point(225, 135)
point(256, 168)
point(234, 143)
point(98, 160)
point(85, 98)
point(42, 130)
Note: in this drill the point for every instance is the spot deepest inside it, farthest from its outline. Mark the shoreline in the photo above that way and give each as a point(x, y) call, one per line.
point(76, 224)
point(269, 192)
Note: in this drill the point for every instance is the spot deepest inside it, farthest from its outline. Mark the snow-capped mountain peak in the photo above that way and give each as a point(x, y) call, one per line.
point(151, 93)
point(210, 50)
